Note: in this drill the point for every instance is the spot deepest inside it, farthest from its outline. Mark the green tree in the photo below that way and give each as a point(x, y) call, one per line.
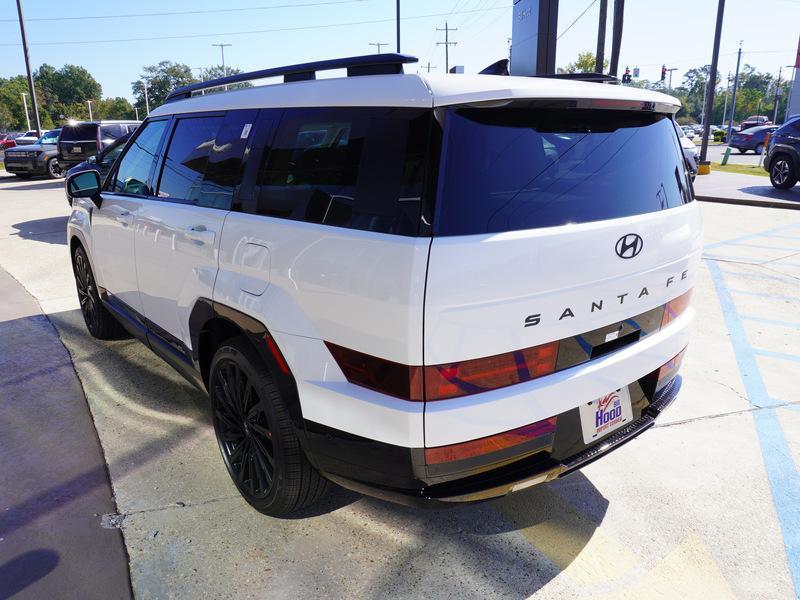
point(161, 80)
point(584, 64)
point(114, 108)
point(216, 72)
point(64, 92)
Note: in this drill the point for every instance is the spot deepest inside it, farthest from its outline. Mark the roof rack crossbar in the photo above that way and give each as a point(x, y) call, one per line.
point(370, 64)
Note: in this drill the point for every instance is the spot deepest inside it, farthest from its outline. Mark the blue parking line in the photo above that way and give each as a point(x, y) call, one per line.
point(784, 279)
point(777, 322)
point(751, 236)
point(782, 473)
point(748, 260)
point(764, 295)
point(782, 237)
point(780, 355)
point(782, 248)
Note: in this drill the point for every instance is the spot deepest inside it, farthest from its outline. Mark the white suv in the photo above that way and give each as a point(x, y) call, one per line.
point(421, 288)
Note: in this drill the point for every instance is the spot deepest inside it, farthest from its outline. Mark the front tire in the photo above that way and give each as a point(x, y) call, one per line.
point(782, 172)
point(256, 436)
point(53, 170)
point(100, 323)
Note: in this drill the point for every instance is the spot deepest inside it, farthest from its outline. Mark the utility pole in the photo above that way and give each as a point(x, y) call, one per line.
point(712, 77)
point(31, 89)
point(599, 56)
point(222, 50)
point(670, 76)
point(616, 36)
point(27, 116)
point(398, 28)
point(378, 44)
point(89, 102)
point(136, 109)
point(727, 88)
point(777, 96)
point(735, 87)
point(146, 99)
point(428, 67)
point(446, 43)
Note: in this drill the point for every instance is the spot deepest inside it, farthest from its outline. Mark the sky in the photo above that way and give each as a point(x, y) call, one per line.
point(266, 33)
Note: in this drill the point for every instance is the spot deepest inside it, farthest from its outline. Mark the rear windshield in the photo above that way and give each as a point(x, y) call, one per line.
point(79, 133)
point(506, 169)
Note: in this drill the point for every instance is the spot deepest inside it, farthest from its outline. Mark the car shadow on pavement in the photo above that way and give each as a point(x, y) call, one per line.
point(767, 191)
point(41, 230)
point(25, 570)
point(44, 183)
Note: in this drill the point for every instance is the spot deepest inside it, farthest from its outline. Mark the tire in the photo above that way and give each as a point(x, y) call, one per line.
point(100, 323)
point(256, 437)
point(24, 175)
point(782, 172)
point(759, 148)
point(53, 170)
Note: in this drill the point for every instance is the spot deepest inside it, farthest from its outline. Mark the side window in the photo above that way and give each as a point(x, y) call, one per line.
point(224, 170)
point(361, 168)
point(111, 132)
point(186, 158)
point(133, 174)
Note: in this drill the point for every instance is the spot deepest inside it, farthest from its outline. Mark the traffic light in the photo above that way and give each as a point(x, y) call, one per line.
point(663, 72)
point(626, 77)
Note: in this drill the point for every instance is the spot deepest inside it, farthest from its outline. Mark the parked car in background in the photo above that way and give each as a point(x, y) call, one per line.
point(81, 140)
point(753, 139)
point(35, 159)
point(7, 141)
point(782, 161)
point(29, 137)
point(754, 121)
point(101, 163)
point(689, 152)
point(688, 131)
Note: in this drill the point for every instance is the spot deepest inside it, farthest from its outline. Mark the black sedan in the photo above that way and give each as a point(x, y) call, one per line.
point(103, 162)
point(35, 159)
point(751, 139)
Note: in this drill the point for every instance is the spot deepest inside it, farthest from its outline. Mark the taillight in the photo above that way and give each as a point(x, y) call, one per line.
point(542, 431)
point(385, 376)
point(668, 370)
point(483, 374)
point(675, 307)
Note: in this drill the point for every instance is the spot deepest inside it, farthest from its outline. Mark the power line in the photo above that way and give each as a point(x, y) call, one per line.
point(447, 43)
point(255, 31)
point(187, 12)
point(591, 4)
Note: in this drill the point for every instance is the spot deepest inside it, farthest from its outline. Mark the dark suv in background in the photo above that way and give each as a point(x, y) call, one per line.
point(79, 141)
point(782, 161)
point(39, 158)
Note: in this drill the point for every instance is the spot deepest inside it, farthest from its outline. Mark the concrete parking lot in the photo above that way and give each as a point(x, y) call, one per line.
point(706, 505)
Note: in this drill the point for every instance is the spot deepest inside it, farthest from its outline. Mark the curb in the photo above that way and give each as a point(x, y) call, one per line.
point(787, 204)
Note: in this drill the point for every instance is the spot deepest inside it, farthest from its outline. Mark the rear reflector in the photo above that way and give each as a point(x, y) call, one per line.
point(542, 431)
point(483, 374)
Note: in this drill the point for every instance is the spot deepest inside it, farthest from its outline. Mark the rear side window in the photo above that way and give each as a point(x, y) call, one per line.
point(223, 173)
point(361, 168)
point(112, 132)
point(80, 133)
point(186, 159)
point(506, 169)
point(133, 174)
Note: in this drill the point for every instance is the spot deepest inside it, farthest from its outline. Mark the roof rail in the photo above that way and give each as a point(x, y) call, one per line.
point(370, 64)
point(594, 77)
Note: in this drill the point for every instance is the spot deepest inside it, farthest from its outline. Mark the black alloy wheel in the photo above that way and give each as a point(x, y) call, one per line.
point(244, 434)
point(53, 169)
point(255, 434)
point(781, 172)
point(100, 323)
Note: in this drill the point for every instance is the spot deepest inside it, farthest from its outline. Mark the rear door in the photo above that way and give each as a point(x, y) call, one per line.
point(179, 230)
point(551, 223)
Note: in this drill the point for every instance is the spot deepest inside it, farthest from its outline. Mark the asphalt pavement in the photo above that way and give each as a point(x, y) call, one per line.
point(705, 505)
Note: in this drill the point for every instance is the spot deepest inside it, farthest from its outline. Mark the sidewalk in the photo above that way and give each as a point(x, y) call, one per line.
point(55, 485)
point(752, 190)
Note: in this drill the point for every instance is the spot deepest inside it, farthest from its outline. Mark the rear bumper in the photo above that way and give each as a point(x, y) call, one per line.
point(527, 471)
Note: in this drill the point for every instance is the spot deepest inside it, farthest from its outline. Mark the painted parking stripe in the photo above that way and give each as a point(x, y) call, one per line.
point(793, 249)
point(747, 260)
point(764, 295)
point(757, 277)
point(751, 236)
point(782, 473)
point(780, 355)
point(777, 322)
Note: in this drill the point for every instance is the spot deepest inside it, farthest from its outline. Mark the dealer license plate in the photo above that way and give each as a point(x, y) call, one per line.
point(76, 149)
point(604, 415)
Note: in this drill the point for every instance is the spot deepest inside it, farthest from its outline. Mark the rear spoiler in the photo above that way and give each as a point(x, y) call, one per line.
point(501, 68)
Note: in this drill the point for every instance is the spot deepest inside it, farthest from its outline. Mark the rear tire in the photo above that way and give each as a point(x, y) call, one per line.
point(256, 436)
point(100, 323)
point(782, 172)
point(53, 170)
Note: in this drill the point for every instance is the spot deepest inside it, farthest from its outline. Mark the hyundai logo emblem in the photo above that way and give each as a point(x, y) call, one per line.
point(629, 245)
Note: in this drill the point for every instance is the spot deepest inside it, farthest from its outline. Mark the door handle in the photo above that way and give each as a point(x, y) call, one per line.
point(199, 234)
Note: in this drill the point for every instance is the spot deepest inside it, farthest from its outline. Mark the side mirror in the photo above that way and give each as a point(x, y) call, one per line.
point(85, 184)
point(91, 160)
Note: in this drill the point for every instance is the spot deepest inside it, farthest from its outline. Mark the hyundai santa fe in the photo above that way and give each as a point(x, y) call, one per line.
point(429, 289)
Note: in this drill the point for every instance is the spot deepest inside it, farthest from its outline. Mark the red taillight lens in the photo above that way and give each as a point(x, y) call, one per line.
point(483, 374)
point(675, 307)
point(542, 431)
point(385, 376)
point(670, 368)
